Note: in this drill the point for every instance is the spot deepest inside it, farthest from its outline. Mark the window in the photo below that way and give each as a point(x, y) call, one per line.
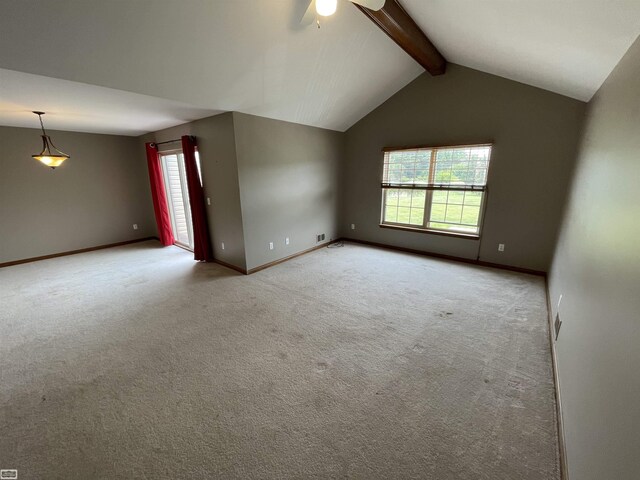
point(435, 188)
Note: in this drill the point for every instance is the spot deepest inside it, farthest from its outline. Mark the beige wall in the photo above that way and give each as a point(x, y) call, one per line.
point(597, 270)
point(534, 133)
point(288, 185)
point(217, 150)
point(93, 199)
point(267, 180)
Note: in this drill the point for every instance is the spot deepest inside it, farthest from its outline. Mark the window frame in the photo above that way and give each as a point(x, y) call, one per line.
point(428, 203)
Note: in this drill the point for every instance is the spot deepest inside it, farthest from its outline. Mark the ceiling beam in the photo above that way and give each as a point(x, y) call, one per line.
point(398, 24)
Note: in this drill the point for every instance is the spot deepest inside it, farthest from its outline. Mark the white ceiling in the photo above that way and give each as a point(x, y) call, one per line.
point(565, 46)
point(86, 108)
point(149, 64)
point(245, 55)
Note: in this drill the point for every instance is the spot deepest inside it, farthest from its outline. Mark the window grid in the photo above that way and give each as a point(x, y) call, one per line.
point(453, 180)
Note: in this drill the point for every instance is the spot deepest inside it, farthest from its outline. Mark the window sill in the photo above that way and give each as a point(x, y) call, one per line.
point(468, 236)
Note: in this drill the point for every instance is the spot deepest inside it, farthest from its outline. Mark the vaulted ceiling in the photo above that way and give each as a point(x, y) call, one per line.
point(565, 46)
point(130, 66)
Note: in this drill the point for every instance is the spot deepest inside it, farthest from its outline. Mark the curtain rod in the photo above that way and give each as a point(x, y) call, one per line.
point(172, 141)
point(168, 141)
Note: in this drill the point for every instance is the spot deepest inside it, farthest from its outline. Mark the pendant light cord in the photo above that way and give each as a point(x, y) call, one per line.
point(42, 124)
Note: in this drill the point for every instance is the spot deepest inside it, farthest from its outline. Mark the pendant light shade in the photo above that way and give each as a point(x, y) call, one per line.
point(50, 155)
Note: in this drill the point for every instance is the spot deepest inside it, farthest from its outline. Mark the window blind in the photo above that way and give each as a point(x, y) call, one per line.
point(437, 168)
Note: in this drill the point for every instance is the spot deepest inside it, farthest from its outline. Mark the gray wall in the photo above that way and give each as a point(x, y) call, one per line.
point(216, 146)
point(288, 185)
point(534, 132)
point(93, 199)
point(597, 270)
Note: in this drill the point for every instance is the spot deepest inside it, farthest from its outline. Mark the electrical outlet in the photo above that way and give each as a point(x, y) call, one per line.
point(270, 245)
point(286, 241)
point(353, 226)
point(208, 201)
point(222, 244)
point(135, 226)
point(501, 247)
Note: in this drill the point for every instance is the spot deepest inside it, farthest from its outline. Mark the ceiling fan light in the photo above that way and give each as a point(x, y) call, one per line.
point(326, 8)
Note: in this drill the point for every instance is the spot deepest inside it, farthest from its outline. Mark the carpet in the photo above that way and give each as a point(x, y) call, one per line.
point(353, 362)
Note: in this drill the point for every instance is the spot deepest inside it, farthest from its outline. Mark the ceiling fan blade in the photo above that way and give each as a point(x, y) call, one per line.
point(310, 15)
point(374, 5)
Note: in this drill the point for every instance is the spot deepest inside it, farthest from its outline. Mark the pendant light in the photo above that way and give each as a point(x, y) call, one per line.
point(50, 155)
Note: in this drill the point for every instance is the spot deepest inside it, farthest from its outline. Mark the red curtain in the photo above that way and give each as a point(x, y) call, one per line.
point(201, 240)
point(160, 205)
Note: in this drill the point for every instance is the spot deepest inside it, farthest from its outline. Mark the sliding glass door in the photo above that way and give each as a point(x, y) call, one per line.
point(175, 181)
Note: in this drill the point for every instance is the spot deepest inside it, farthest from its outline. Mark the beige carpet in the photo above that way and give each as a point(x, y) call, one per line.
point(137, 363)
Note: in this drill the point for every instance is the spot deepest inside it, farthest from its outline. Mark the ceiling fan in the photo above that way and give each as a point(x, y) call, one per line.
point(325, 8)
